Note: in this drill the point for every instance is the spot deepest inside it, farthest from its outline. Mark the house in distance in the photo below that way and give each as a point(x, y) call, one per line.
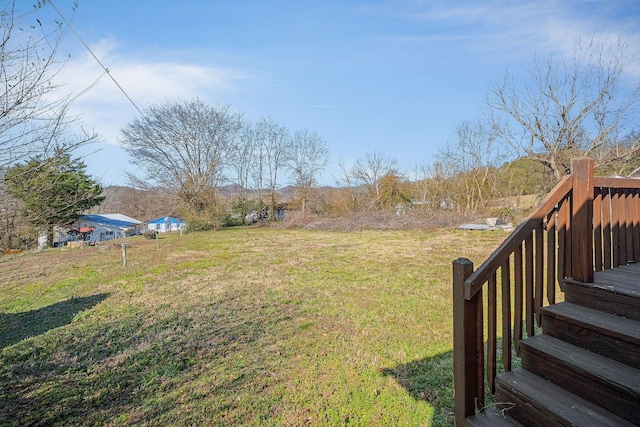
point(97, 228)
point(166, 224)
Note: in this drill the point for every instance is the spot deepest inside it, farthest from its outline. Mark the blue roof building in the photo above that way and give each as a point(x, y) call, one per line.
point(166, 224)
point(106, 227)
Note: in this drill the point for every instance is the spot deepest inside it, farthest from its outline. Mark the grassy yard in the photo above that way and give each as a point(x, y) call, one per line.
point(252, 326)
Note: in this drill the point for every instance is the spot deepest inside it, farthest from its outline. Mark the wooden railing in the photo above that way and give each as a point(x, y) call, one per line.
point(585, 224)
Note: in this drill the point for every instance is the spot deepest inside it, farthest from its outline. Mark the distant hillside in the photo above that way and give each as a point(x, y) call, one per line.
point(143, 205)
point(146, 205)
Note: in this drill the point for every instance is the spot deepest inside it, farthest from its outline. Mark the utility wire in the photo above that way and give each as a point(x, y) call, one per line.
point(106, 70)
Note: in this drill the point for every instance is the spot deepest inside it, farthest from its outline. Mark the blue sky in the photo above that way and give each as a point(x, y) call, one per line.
point(394, 77)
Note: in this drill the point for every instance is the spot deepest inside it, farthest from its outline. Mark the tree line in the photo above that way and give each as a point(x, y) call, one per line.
point(565, 107)
point(193, 149)
point(523, 142)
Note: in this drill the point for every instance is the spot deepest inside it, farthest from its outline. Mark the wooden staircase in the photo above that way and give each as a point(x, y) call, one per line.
point(578, 360)
point(584, 369)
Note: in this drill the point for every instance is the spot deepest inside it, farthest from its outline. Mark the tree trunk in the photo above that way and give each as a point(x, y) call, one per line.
point(50, 237)
point(272, 207)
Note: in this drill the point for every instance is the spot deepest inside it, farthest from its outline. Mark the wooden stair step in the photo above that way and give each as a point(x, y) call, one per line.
point(624, 280)
point(615, 291)
point(538, 402)
point(608, 383)
point(612, 336)
point(492, 417)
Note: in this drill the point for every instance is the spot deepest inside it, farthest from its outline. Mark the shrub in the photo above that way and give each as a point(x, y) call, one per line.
point(151, 234)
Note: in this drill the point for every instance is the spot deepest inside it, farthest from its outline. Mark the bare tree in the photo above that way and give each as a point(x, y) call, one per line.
point(182, 147)
point(431, 185)
point(624, 159)
point(568, 107)
point(257, 169)
point(33, 119)
point(346, 181)
point(439, 187)
point(274, 144)
point(307, 156)
point(243, 156)
point(370, 169)
point(472, 159)
point(243, 163)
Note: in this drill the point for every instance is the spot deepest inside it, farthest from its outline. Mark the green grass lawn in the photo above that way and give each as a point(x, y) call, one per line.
point(249, 326)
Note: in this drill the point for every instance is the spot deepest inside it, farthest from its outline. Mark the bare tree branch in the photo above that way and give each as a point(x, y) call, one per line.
point(274, 144)
point(183, 147)
point(370, 170)
point(569, 107)
point(308, 155)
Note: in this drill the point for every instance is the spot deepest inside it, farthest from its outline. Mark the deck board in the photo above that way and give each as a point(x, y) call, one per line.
point(541, 402)
point(623, 280)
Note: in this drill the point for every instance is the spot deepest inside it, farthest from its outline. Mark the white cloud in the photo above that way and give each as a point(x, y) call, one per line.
point(516, 29)
point(105, 108)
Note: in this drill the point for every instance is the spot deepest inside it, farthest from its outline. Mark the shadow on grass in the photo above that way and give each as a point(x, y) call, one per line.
point(429, 379)
point(14, 327)
point(186, 365)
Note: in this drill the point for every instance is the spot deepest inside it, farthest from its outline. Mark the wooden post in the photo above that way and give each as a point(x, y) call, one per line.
point(124, 255)
point(468, 354)
point(582, 221)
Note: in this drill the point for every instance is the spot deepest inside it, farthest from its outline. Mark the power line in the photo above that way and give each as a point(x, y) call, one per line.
point(106, 70)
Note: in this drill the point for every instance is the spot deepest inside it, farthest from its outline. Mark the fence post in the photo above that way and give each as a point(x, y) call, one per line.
point(468, 354)
point(582, 220)
point(124, 254)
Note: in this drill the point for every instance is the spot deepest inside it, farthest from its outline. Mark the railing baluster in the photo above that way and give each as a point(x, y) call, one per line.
point(479, 350)
point(597, 229)
point(622, 226)
point(635, 214)
point(607, 232)
point(492, 326)
point(562, 238)
point(568, 251)
point(517, 295)
point(628, 227)
point(615, 227)
point(539, 271)
point(506, 315)
point(528, 273)
point(551, 257)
